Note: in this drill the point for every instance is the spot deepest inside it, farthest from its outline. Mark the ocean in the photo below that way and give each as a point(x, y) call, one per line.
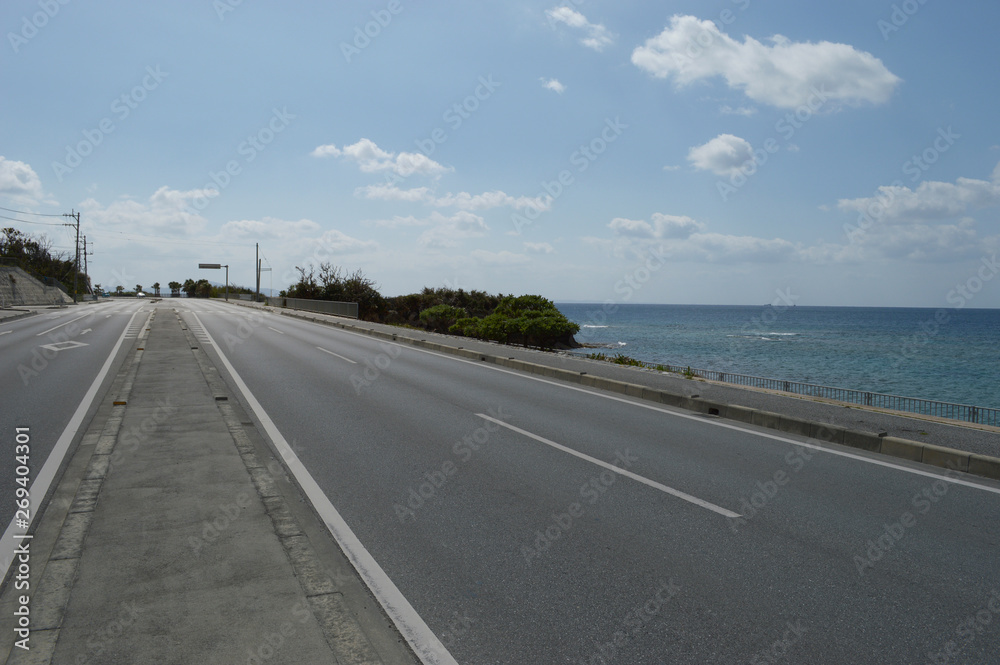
point(950, 355)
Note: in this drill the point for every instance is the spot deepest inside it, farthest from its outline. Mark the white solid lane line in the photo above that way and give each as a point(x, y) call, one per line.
point(40, 486)
point(411, 625)
point(355, 362)
point(611, 467)
point(276, 330)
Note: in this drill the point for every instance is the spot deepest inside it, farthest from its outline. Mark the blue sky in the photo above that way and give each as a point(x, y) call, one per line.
point(671, 152)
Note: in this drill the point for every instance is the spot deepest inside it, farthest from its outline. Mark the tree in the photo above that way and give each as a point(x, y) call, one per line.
point(119, 290)
point(156, 289)
point(440, 318)
point(175, 289)
point(138, 289)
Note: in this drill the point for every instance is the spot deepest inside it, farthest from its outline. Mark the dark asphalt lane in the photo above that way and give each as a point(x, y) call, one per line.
point(520, 552)
point(42, 387)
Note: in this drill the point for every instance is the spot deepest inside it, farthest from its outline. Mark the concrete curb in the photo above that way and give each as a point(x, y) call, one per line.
point(15, 317)
point(915, 451)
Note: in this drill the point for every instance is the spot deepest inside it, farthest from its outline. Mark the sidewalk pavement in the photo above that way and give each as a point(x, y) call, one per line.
point(177, 546)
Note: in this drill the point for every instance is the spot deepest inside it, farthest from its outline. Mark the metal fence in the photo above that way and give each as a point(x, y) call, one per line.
point(348, 309)
point(973, 414)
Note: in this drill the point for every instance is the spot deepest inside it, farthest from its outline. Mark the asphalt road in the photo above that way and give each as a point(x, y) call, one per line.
point(49, 362)
point(531, 521)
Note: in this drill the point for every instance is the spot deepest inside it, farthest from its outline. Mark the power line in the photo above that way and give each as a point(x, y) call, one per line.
point(25, 212)
point(129, 236)
point(24, 221)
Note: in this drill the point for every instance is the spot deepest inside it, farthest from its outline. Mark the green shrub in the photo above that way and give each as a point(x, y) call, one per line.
point(440, 318)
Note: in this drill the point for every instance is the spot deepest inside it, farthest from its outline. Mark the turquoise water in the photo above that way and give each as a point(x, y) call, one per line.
point(948, 355)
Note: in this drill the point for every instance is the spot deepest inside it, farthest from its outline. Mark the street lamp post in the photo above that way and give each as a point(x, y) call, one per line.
point(216, 266)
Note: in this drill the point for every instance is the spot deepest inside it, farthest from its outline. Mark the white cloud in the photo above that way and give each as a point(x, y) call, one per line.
point(663, 227)
point(931, 200)
point(393, 193)
point(502, 258)
point(784, 74)
point(553, 85)
point(397, 222)
point(539, 247)
point(370, 159)
point(20, 182)
point(724, 155)
point(597, 35)
point(461, 200)
point(448, 231)
point(269, 228)
point(745, 111)
point(168, 212)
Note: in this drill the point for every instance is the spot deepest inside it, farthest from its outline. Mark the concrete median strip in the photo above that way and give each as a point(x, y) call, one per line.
point(187, 530)
point(915, 451)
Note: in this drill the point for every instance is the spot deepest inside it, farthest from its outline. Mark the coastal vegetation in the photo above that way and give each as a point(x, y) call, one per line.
point(527, 320)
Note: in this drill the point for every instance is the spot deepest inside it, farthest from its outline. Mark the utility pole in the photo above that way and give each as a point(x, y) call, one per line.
point(86, 270)
point(256, 297)
point(76, 266)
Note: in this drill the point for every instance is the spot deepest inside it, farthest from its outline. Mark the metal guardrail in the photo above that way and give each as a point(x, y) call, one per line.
point(348, 309)
point(974, 414)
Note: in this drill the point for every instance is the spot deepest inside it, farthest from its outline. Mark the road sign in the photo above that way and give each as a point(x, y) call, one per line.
point(211, 266)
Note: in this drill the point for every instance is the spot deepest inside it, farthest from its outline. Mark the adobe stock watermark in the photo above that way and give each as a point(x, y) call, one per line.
point(30, 26)
point(898, 17)
point(223, 7)
point(225, 515)
point(762, 326)
point(374, 365)
point(967, 631)
point(434, 481)
point(706, 39)
point(129, 440)
point(121, 107)
point(273, 640)
point(590, 493)
point(786, 128)
point(102, 640)
point(632, 624)
point(958, 297)
point(364, 35)
point(458, 113)
point(248, 150)
point(61, 338)
point(893, 533)
point(915, 167)
point(626, 287)
point(778, 650)
point(765, 492)
point(581, 159)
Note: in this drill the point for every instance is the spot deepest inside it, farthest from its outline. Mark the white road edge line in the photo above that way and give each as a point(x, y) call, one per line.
point(64, 324)
point(6, 332)
point(417, 633)
point(701, 419)
point(276, 330)
point(40, 486)
point(355, 362)
point(611, 467)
